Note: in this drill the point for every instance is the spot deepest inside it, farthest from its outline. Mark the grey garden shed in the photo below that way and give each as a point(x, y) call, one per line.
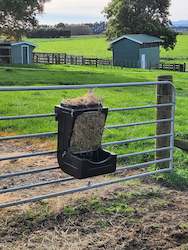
point(22, 53)
point(136, 51)
point(16, 53)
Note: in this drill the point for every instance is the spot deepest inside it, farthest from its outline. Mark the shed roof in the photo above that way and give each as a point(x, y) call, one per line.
point(139, 38)
point(5, 42)
point(23, 43)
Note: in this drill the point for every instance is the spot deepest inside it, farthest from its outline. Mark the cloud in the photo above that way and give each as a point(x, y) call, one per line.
point(90, 11)
point(70, 11)
point(78, 6)
point(179, 9)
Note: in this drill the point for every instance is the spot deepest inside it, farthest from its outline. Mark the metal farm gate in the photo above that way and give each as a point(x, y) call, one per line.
point(163, 108)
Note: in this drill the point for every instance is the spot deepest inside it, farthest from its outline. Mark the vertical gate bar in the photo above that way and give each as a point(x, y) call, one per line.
point(164, 95)
point(172, 139)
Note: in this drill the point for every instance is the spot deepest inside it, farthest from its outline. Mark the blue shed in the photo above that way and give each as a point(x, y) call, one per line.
point(22, 53)
point(136, 51)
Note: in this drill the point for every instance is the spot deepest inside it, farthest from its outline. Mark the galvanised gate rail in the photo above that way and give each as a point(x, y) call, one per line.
point(143, 165)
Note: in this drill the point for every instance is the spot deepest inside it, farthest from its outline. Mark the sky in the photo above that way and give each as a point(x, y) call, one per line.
point(83, 11)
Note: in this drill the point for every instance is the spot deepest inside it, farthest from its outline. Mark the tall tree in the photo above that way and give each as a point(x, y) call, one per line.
point(140, 16)
point(17, 16)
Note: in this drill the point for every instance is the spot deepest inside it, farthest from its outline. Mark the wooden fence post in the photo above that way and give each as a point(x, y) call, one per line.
point(65, 58)
point(96, 62)
point(184, 67)
point(71, 60)
point(164, 96)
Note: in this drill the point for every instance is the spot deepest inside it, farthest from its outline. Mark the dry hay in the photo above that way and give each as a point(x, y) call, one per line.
point(89, 126)
point(87, 100)
point(87, 132)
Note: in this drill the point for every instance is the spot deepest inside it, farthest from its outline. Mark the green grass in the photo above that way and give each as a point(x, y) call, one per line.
point(20, 103)
point(118, 205)
point(90, 46)
point(180, 53)
point(96, 46)
point(41, 102)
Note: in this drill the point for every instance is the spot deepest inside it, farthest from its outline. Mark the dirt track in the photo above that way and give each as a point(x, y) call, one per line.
point(135, 215)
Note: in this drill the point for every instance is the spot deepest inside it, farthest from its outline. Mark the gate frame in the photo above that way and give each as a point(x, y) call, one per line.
point(90, 186)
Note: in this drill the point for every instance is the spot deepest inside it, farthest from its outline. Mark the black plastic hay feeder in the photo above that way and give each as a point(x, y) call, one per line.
point(80, 132)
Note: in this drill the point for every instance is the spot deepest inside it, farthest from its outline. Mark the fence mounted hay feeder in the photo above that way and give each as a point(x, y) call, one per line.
point(81, 124)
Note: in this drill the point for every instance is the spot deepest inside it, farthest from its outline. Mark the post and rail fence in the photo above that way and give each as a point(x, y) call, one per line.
point(63, 58)
point(173, 67)
point(163, 140)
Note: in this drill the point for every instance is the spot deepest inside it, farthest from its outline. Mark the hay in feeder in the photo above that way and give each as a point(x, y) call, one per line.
point(87, 132)
point(89, 125)
point(88, 100)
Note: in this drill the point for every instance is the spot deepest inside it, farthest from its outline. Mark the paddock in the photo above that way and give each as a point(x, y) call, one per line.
point(162, 151)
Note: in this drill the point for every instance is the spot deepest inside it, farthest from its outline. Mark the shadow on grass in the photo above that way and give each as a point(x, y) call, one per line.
point(15, 76)
point(177, 180)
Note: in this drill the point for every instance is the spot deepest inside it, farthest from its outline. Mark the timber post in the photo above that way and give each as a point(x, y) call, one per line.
point(164, 96)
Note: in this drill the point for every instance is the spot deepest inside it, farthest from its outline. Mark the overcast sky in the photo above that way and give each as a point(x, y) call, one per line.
point(78, 11)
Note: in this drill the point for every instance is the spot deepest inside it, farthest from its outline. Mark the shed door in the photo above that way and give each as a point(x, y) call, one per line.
point(143, 61)
point(25, 55)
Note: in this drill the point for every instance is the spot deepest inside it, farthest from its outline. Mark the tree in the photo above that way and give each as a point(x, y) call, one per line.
point(17, 16)
point(80, 29)
point(47, 31)
point(137, 17)
point(60, 26)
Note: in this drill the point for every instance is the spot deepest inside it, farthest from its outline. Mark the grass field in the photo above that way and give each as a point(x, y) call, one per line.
point(180, 51)
point(96, 46)
point(44, 102)
point(90, 46)
point(62, 75)
point(149, 214)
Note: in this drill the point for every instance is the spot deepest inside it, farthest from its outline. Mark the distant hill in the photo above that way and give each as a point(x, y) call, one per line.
point(180, 23)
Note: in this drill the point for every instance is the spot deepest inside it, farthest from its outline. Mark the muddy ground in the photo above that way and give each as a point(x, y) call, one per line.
point(133, 215)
